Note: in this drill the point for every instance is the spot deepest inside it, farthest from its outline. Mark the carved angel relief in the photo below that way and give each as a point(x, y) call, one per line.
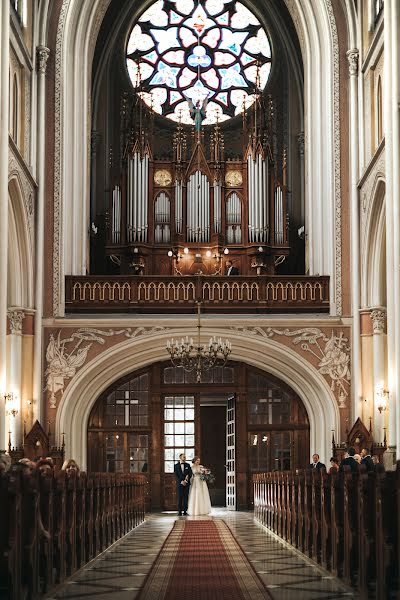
point(64, 359)
point(332, 353)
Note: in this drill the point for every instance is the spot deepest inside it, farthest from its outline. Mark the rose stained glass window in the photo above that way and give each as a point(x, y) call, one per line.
point(213, 53)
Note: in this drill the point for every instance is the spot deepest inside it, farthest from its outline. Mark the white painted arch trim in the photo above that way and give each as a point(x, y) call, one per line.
point(131, 355)
point(78, 29)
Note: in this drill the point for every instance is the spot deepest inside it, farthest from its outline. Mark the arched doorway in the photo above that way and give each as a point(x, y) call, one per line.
point(143, 421)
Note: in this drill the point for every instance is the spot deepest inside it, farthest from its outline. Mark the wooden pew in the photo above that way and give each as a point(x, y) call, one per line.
point(349, 522)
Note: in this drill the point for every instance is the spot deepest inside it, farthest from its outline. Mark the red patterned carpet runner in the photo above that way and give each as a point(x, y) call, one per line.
point(201, 560)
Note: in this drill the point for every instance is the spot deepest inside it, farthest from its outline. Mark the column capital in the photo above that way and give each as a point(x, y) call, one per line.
point(42, 55)
point(352, 58)
point(378, 317)
point(15, 318)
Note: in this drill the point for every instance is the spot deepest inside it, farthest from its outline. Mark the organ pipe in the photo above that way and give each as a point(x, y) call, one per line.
point(116, 215)
point(137, 201)
point(198, 208)
point(278, 215)
point(178, 207)
point(217, 207)
point(258, 199)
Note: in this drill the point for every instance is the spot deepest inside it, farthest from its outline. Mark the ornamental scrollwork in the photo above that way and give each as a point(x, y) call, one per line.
point(66, 356)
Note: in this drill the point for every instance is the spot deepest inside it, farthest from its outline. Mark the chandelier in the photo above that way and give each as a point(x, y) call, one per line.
point(198, 358)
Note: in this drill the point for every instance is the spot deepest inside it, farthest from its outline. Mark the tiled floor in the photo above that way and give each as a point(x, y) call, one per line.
point(119, 572)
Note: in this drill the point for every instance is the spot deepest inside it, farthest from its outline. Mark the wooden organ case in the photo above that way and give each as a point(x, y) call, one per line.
point(190, 212)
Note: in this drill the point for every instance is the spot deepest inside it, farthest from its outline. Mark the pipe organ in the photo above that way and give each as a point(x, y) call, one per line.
point(183, 213)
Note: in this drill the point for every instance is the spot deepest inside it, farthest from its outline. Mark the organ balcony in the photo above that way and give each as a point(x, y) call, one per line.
point(176, 294)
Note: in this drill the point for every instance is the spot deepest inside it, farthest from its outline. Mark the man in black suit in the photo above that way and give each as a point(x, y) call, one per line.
point(349, 460)
point(316, 464)
point(230, 269)
point(183, 473)
point(367, 460)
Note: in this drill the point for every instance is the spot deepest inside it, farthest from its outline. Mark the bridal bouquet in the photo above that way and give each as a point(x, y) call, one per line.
point(207, 475)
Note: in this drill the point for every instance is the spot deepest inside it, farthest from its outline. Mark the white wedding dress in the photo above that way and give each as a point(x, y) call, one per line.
point(199, 496)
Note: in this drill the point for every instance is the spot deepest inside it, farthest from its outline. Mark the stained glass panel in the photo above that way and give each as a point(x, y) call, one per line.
point(182, 50)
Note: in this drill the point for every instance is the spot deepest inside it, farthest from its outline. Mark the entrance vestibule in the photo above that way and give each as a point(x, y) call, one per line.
point(238, 419)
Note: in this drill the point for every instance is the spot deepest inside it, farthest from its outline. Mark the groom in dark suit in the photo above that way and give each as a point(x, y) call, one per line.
point(183, 473)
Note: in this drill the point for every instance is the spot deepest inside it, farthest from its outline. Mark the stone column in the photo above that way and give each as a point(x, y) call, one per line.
point(4, 110)
point(378, 317)
point(352, 57)
point(391, 128)
point(42, 55)
point(394, 415)
point(14, 373)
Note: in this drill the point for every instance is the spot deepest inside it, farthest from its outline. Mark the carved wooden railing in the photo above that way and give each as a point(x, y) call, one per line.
point(51, 526)
point(347, 522)
point(180, 294)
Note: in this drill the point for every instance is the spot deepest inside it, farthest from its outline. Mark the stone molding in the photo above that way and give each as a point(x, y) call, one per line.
point(58, 154)
point(15, 169)
point(337, 235)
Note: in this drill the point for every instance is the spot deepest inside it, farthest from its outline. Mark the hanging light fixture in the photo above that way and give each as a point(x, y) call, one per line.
point(186, 354)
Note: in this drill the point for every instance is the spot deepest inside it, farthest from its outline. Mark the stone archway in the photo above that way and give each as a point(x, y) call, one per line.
point(258, 351)
point(78, 28)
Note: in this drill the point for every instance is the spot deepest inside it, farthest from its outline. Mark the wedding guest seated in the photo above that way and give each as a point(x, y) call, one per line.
point(5, 463)
point(70, 466)
point(30, 464)
point(334, 465)
point(349, 461)
point(367, 460)
point(45, 467)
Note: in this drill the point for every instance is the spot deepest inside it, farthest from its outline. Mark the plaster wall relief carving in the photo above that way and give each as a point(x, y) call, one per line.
point(15, 169)
point(67, 353)
point(328, 352)
point(15, 318)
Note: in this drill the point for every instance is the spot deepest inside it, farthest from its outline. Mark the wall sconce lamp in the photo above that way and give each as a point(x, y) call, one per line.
point(11, 404)
point(383, 398)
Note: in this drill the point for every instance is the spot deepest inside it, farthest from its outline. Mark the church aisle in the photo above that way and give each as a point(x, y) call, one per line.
point(121, 570)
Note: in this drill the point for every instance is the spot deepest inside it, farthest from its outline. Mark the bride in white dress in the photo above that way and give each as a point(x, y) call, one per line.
point(199, 496)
